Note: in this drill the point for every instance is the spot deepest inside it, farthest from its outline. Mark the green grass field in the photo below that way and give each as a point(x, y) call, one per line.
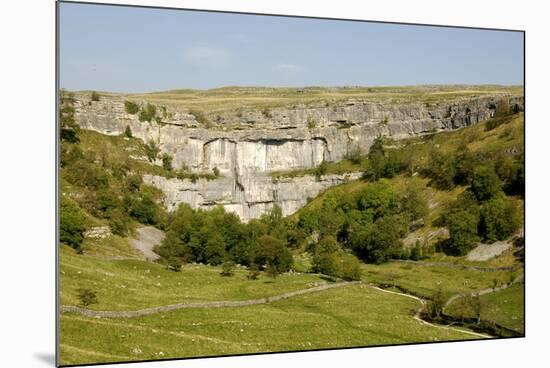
point(350, 316)
point(424, 281)
point(346, 317)
point(134, 284)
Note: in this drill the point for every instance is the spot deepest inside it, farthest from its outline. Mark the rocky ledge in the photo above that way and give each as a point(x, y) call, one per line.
point(278, 139)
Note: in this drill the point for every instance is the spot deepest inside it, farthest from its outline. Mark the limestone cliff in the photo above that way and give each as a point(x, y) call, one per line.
point(246, 146)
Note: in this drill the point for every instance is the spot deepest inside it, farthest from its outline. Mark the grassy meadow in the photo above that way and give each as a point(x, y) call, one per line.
point(345, 317)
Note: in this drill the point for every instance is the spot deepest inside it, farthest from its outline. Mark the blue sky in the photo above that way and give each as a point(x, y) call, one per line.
point(125, 49)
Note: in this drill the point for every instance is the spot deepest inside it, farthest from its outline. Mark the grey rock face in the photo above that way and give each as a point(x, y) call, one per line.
point(248, 199)
point(286, 139)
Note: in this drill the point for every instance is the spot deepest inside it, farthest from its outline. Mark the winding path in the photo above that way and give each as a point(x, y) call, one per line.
point(419, 310)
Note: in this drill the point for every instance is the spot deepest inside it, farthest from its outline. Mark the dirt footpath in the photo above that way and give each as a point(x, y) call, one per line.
point(146, 239)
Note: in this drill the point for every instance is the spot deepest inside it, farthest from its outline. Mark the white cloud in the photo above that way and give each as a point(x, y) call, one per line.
point(288, 68)
point(207, 56)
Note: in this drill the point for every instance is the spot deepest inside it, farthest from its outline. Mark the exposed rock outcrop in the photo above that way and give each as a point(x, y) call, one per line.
point(282, 138)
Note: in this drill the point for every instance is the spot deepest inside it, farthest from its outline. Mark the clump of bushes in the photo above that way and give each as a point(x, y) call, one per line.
point(321, 170)
point(228, 267)
point(219, 238)
point(147, 113)
point(174, 264)
point(370, 222)
point(329, 259)
point(481, 213)
point(69, 128)
point(166, 161)
point(201, 118)
point(311, 123)
point(152, 150)
point(271, 254)
point(383, 163)
point(130, 107)
point(94, 96)
point(87, 297)
point(128, 132)
point(72, 223)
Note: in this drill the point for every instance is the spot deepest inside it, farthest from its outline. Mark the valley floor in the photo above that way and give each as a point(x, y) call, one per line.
point(349, 316)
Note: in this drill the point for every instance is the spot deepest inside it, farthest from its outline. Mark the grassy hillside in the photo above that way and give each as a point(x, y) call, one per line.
point(505, 139)
point(135, 284)
point(350, 316)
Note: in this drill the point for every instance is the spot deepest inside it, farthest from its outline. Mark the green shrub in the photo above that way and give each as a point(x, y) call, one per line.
point(271, 254)
point(87, 297)
point(463, 227)
point(325, 258)
point(118, 221)
point(321, 170)
point(416, 252)
point(201, 118)
point(131, 108)
point(216, 171)
point(379, 242)
point(228, 268)
point(128, 132)
point(151, 150)
point(89, 175)
point(105, 201)
point(499, 219)
point(133, 182)
point(72, 220)
point(147, 113)
point(413, 202)
point(164, 112)
point(69, 129)
point(94, 96)
point(311, 123)
point(485, 183)
point(435, 305)
point(441, 170)
point(214, 249)
point(174, 264)
point(70, 154)
point(166, 161)
point(350, 268)
point(144, 209)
